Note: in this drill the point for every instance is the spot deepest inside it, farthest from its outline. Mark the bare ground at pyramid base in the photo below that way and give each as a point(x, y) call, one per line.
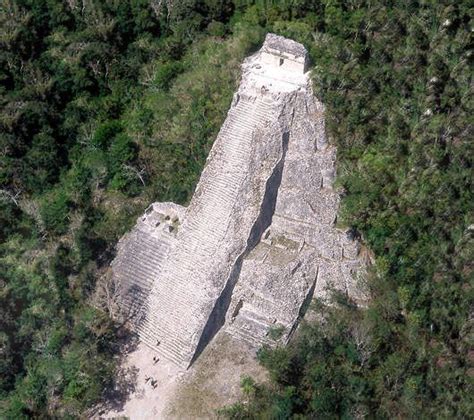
point(210, 384)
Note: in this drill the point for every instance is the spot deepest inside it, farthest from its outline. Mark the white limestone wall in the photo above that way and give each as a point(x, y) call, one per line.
point(284, 62)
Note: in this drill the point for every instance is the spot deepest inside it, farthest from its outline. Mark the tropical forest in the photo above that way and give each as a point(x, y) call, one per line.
point(107, 106)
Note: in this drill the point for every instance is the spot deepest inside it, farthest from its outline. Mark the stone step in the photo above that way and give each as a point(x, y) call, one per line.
point(175, 304)
point(141, 253)
point(173, 357)
point(146, 260)
point(236, 137)
point(168, 337)
point(169, 341)
point(171, 330)
point(173, 296)
point(221, 213)
point(244, 125)
point(162, 240)
point(139, 295)
point(234, 156)
point(239, 335)
point(232, 134)
point(148, 251)
point(252, 325)
point(231, 166)
point(255, 316)
point(240, 127)
point(132, 301)
point(155, 251)
point(244, 110)
point(249, 332)
point(206, 233)
point(171, 325)
point(223, 204)
point(135, 275)
point(170, 297)
point(206, 239)
point(224, 186)
point(244, 106)
point(150, 254)
point(166, 289)
point(153, 244)
point(234, 160)
point(227, 193)
point(137, 280)
point(161, 333)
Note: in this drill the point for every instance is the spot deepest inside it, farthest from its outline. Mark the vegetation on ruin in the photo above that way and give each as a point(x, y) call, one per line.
point(108, 105)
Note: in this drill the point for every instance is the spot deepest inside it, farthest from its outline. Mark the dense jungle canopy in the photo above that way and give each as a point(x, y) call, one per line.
point(107, 106)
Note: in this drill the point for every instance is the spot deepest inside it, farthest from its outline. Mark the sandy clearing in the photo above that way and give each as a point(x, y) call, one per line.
point(212, 382)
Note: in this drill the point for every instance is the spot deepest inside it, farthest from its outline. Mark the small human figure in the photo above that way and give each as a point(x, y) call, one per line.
point(158, 342)
point(156, 360)
point(147, 378)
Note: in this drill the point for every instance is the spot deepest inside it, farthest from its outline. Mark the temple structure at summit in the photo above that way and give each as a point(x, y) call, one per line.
point(258, 240)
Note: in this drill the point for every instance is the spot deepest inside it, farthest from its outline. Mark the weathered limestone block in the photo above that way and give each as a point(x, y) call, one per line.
point(284, 53)
point(258, 240)
point(275, 282)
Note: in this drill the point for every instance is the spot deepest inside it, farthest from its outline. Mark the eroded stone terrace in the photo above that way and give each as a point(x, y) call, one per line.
point(258, 240)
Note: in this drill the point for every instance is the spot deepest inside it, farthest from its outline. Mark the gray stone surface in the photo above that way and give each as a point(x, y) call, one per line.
point(140, 256)
point(284, 46)
point(257, 242)
point(283, 53)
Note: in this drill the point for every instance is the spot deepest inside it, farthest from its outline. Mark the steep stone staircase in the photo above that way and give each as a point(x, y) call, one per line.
point(141, 261)
point(179, 303)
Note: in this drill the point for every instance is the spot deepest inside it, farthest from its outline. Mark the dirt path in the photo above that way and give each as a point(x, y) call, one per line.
point(212, 382)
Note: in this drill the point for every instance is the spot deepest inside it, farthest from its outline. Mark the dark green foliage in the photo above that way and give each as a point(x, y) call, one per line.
point(41, 167)
point(105, 133)
point(121, 154)
point(111, 105)
point(9, 215)
point(105, 107)
point(166, 73)
point(55, 211)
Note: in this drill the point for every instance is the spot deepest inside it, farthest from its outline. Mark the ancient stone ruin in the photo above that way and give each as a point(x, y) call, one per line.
point(258, 240)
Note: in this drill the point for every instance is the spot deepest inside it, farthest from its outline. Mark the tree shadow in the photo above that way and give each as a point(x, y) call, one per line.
point(124, 383)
